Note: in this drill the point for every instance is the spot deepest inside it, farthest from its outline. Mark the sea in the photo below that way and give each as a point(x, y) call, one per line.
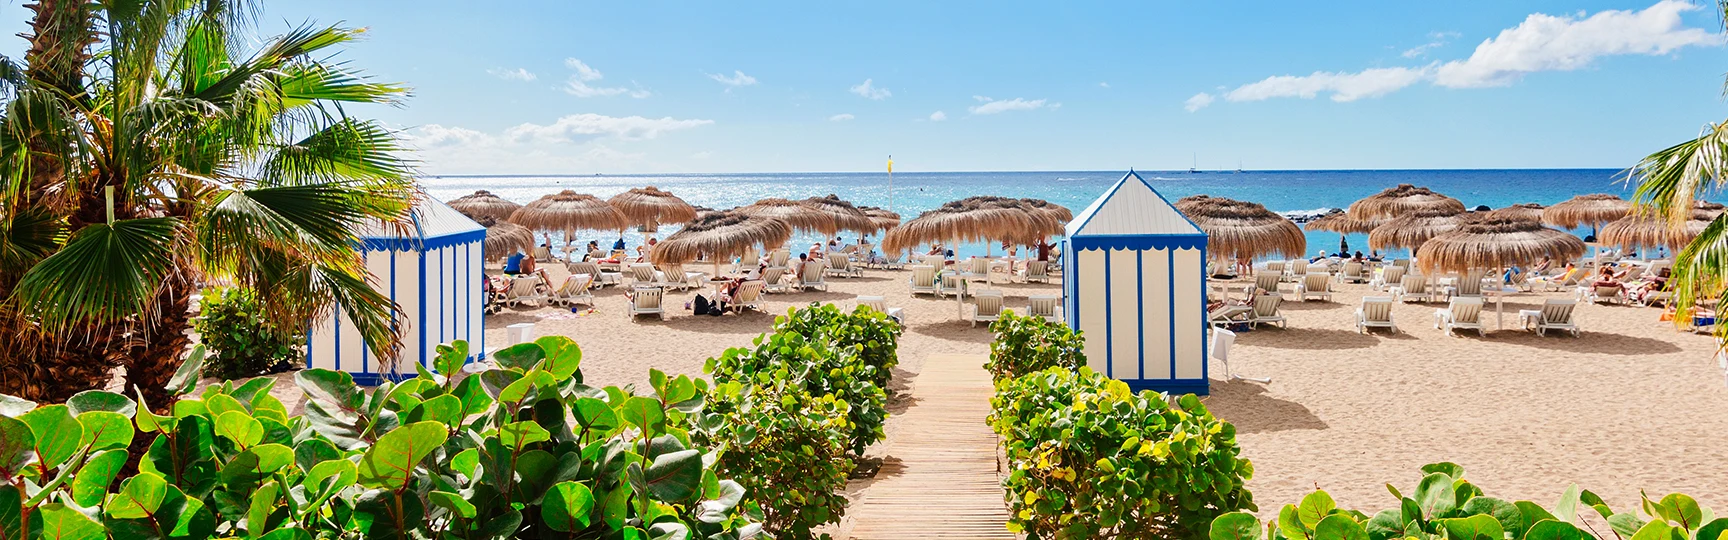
point(1295, 193)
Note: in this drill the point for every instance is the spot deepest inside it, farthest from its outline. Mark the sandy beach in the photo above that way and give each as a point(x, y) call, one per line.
point(1631, 405)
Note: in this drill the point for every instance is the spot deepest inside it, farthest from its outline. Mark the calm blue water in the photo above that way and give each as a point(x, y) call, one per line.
point(1281, 191)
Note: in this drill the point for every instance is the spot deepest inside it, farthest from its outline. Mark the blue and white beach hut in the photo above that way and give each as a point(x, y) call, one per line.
point(433, 272)
point(1134, 280)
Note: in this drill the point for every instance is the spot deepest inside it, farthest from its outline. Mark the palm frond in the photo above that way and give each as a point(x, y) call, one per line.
point(314, 221)
point(27, 235)
point(351, 149)
point(299, 293)
point(105, 273)
point(296, 45)
point(1670, 180)
point(1701, 270)
point(321, 82)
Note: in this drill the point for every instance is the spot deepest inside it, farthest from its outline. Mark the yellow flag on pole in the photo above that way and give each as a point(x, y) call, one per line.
point(890, 164)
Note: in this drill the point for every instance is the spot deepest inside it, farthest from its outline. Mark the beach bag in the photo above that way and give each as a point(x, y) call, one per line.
point(706, 307)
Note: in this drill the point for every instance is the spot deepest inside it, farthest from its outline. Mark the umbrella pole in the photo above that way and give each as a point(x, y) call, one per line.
point(959, 296)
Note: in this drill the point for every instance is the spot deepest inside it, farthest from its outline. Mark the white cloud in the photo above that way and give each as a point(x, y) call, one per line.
point(437, 136)
point(1564, 43)
point(738, 78)
point(1343, 86)
point(1437, 40)
point(993, 106)
point(1199, 101)
point(583, 72)
point(589, 125)
point(1103, 85)
point(1540, 43)
point(518, 74)
point(842, 117)
point(938, 116)
point(870, 91)
point(577, 85)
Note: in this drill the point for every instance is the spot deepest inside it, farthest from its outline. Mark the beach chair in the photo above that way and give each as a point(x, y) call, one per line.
point(1402, 263)
point(1658, 265)
point(602, 278)
point(812, 276)
point(923, 280)
point(862, 253)
point(1267, 280)
point(977, 269)
point(1036, 270)
point(779, 257)
point(1413, 288)
point(543, 254)
point(1470, 284)
point(1222, 341)
point(1604, 295)
point(1354, 272)
point(1296, 271)
point(1276, 267)
point(1045, 306)
point(575, 290)
point(749, 296)
point(1389, 276)
point(986, 306)
point(1266, 310)
point(1317, 285)
point(1556, 314)
point(891, 261)
point(749, 259)
point(643, 275)
point(1632, 274)
point(1464, 313)
point(1559, 282)
point(880, 305)
point(773, 280)
point(951, 284)
point(1654, 297)
point(647, 300)
point(673, 275)
point(523, 289)
point(840, 264)
point(1228, 314)
point(1376, 312)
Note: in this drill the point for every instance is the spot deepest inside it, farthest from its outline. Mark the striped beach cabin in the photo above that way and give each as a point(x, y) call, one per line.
point(432, 271)
point(1134, 281)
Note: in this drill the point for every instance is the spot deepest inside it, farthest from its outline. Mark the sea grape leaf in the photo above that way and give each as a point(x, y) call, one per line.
point(1549, 529)
point(54, 426)
point(1339, 527)
point(1511, 520)
point(1714, 530)
point(14, 406)
point(340, 473)
point(1315, 507)
point(240, 427)
point(642, 412)
point(57, 521)
point(567, 506)
point(104, 430)
point(256, 463)
point(1435, 496)
point(1235, 526)
point(454, 503)
point(99, 400)
point(186, 376)
point(676, 476)
point(517, 435)
point(562, 356)
point(1659, 530)
point(451, 358)
point(1477, 527)
point(521, 356)
point(17, 443)
point(391, 461)
point(92, 481)
point(139, 497)
point(1682, 509)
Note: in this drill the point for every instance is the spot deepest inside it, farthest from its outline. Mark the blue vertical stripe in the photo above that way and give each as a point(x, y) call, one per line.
point(422, 307)
point(1140, 314)
point(1109, 320)
point(338, 318)
point(1205, 344)
point(365, 352)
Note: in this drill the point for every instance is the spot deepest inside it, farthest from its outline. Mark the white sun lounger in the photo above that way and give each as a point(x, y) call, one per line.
point(986, 306)
point(647, 300)
point(1463, 313)
point(923, 280)
point(1045, 306)
point(1318, 285)
point(1376, 312)
point(1556, 314)
point(1266, 310)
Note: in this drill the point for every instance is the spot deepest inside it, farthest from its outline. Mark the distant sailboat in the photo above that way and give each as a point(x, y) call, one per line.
point(1196, 167)
point(1238, 166)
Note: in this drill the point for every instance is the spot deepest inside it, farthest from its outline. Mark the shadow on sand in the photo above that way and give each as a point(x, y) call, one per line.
point(1328, 339)
point(1245, 404)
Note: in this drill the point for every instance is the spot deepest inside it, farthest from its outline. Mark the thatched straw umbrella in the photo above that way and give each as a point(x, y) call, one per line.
point(483, 204)
point(1055, 211)
point(504, 238)
point(1410, 230)
point(1640, 231)
point(1023, 221)
point(846, 217)
point(974, 219)
point(1593, 210)
point(570, 211)
point(1496, 241)
point(1403, 200)
point(1522, 211)
point(802, 217)
point(1342, 223)
point(1242, 230)
point(650, 206)
point(720, 235)
point(881, 218)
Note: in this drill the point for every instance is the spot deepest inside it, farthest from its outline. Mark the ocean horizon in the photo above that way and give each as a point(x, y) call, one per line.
point(1291, 192)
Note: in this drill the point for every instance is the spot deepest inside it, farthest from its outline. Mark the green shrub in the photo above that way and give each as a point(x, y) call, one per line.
point(1445, 505)
point(1031, 344)
point(1090, 459)
point(523, 451)
point(786, 447)
point(874, 336)
point(821, 367)
point(241, 340)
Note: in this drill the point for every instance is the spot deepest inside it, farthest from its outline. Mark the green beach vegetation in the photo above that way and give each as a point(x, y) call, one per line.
point(145, 153)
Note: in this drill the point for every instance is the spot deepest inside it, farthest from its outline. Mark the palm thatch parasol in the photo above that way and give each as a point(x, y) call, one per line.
point(1523, 211)
point(1055, 211)
point(1017, 221)
point(1242, 230)
point(1648, 231)
point(802, 217)
point(881, 218)
point(1410, 230)
point(1496, 241)
point(1342, 223)
point(846, 217)
point(570, 211)
point(650, 206)
point(720, 236)
point(1403, 200)
point(504, 238)
point(483, 204)
point(1593, 210)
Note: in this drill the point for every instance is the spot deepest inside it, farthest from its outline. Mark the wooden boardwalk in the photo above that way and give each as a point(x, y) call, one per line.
point(939, 479)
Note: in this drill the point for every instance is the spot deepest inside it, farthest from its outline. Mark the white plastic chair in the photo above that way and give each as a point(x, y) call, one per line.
point(523, 289)
point(646, 300)
point(1316, 285)
point(1388, 277)
point(840, 264)
point(773, 280)
point(1222, 340)
point(923, 280)
point(1376, 312)
point(1354, 272)
point(880, 305)
point(1556, 314)
point(1045, 306)
point(1463, 313)
point(1266, 310)
point(749, 295)
point(1036, 270)
point(575, 290)
point(1267, 280)
point(812, 276)
point(986, 306)
point(1412, 288)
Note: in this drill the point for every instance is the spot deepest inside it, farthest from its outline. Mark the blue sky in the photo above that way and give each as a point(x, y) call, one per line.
point(577, 88)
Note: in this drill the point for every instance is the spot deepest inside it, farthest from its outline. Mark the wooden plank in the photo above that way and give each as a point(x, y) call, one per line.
point(944, 484)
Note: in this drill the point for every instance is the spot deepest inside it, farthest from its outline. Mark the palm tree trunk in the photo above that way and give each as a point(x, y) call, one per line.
point(155, 351)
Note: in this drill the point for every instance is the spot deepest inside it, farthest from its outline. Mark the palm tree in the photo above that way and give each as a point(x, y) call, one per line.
point(144, 154)
point(1670, 183)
